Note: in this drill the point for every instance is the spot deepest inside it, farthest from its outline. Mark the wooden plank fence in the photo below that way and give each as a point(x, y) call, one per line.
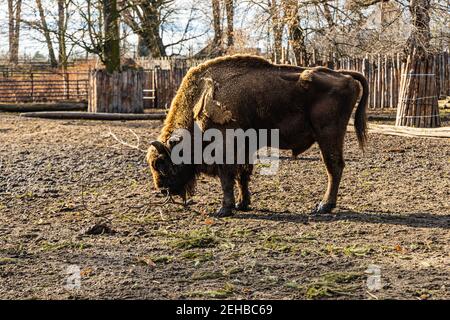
point(162, 77)
point(383, 73)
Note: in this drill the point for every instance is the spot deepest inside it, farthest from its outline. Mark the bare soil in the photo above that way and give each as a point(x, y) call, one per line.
point(71, 195)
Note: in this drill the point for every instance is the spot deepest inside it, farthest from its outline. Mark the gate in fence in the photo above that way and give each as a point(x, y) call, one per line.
point(161, 85)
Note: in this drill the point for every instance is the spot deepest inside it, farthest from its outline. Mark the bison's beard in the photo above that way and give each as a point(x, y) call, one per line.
point(186, 188)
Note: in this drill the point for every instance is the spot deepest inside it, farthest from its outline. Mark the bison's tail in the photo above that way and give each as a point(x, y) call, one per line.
point(360, 114)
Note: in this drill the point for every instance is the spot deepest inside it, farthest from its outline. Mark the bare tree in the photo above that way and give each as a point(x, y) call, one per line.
point(418, 103)
point(296, 33)
point(217, 40)
point(277, 30)
point(111, 45)
point(419, 39)
point(229, 6)
point(62, 30)
point(144, 18)
point(43, 27)
point(14, 17)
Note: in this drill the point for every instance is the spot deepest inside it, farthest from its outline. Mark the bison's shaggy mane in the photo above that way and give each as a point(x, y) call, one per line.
point(181, 110)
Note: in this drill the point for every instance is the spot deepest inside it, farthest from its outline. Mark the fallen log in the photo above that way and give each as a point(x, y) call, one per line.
point(38, 107)
point(94, 116)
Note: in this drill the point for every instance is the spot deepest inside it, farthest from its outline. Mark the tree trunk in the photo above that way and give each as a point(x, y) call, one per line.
point(151, 26)
point(419, 39)
point(146, 26)
point(111, 49)
point(229, 6)
point(46, 32)
point(142, 47)
point(277, 31)
point(418, 101)
point(14, 12)
point(296, 33)
point(62, 54)
point(217, 41)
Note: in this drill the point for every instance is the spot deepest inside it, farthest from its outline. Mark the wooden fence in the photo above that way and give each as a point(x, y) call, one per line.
point(384, 74)
point(162, 78)
point(43, 86)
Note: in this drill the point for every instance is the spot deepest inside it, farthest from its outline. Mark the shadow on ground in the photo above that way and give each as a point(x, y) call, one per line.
point(416, 220)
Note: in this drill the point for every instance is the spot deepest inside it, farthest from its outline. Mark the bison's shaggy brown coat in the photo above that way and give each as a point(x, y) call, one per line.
point(241, 91)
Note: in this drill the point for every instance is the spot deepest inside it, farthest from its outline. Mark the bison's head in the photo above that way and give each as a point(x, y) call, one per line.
point(169, 178)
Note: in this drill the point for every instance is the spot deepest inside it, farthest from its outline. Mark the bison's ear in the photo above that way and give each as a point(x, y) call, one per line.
point(292, 76)
point(162, 149)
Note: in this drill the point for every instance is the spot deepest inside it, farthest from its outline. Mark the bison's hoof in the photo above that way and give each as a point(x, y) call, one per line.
point(323, 208)
point(224, 212)
point(243, 206)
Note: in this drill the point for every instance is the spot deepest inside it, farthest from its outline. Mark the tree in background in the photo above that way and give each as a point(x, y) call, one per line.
point(418, 103)
point(14, 18)
point(45, 30)
point(62, 30)
point(111, 43)
point(229, 7)
point(144, 17)
point(295, 31)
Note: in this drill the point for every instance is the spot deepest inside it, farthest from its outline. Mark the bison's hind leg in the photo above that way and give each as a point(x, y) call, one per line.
point(243, 179)
point(331, 149)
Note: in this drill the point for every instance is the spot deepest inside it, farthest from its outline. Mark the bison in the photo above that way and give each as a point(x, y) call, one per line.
point(306, 105)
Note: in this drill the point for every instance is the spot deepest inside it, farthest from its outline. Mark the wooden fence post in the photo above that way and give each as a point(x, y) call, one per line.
point(119, 92)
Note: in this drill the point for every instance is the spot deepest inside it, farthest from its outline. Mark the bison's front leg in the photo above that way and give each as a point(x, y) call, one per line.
point(227, 182)
point(243, 201)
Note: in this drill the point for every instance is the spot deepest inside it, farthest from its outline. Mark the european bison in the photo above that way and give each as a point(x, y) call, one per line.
point(307, 105)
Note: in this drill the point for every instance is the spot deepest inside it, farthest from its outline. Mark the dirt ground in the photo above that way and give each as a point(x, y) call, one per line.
point(60, 179)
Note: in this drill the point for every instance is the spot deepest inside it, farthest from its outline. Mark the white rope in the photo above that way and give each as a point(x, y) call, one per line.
point(419, 116)
point(418, 74)
point(421, 98)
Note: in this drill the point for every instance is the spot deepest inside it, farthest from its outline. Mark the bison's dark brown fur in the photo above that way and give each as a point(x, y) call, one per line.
point(306, 105)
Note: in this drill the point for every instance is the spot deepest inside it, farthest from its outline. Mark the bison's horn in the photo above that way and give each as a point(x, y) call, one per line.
point(160, 146)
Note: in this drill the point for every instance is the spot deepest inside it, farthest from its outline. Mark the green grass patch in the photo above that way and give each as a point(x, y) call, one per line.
point(277, 243)
point(225, 292)
point(202, 238)
point(47, 246)
point(351, 251)
point(6, 260)
point(329, 285)
point(356, 250)
point(207, 275)
point(197, 256)
point(163, 259)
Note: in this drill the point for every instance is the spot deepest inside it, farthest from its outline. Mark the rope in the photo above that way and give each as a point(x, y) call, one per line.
point(418, 74)
point(419, 116)
point(421, 98)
